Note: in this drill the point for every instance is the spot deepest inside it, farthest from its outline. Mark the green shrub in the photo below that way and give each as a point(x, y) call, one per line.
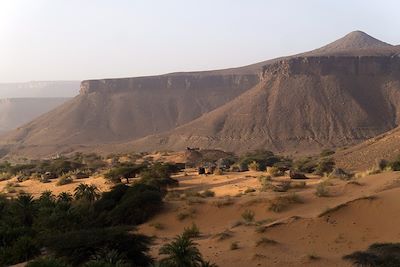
point(249, 190)
point(265, 181)
point(223, 202)
point(234, 245)
point(192, 231)
point(186, 214)
point(224, 235)
point(158, 226)
point(378, 254)
point(395, 164)
point(123, 172)
point(281, 203)
point(63, 180)
point(263, 158)
point(248, 216)
point(325, 165)
point(326, 153)
point(298, 184)
point(208, 193)
point(265, 241)
point(282, 186)
point(218, 171)
point(305, 165)
point(5, 176)
point(383, 164)
point(254, 166)
point(274, 171)
point(322, 190)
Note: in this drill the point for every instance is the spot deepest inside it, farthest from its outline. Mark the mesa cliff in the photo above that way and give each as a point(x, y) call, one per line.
point(301, 105)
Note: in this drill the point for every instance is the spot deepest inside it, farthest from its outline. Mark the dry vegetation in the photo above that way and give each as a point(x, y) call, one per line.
point(240, 214)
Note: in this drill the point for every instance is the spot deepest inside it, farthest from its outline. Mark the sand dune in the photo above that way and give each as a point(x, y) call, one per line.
point(360, 215)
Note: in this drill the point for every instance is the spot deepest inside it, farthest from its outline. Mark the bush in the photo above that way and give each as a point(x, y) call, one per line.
point(274, 171)
point(326, 153)
point(223, 202)
point(305, 165)
point(263, 158)
point(5, 176)
point(158, 226)
point(185, 214)
point(379, 255)
point(224, 235)
point(248, 216)
point(383, 164)
point(265, 181)
point(123, 172)
point(281, 203)
point(63, 180)
point(234, 245)
point(249, 190)
point(282, 186)
point(192, 231)
point(322, 190)
point(325, 165)
point(207, 193)
point(218, 171)
point(254, 166)
point(298, 184)
point(395, 164)
point(265, 241)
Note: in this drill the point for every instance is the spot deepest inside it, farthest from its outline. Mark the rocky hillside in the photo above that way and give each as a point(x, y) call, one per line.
point(115, 110)
point(301, 104)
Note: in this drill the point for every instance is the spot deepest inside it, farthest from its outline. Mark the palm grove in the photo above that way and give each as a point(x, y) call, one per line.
point(90, 228)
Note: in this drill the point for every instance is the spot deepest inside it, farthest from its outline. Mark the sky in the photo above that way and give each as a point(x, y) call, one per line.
point(43, 40)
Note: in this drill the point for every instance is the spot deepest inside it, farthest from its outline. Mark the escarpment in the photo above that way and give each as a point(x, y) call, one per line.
point(301, 105)
point(115, 110)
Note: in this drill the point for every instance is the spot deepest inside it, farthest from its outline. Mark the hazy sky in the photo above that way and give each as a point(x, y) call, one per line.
point(82, 39)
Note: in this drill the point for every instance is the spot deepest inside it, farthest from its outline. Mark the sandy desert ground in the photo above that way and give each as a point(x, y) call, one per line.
point(317, 232)
point(314, 231)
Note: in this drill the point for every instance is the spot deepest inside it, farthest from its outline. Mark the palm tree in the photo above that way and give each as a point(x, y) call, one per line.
point(25, 208)
point(208, 264)
point(64, 197)
point(107, 257)
point(47, 199)
point(87, 192)
point(181, 252)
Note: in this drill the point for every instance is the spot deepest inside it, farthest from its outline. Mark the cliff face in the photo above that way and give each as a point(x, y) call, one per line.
point(174, 82)
point(116, 110)
point(301, 104)
point(322, 66)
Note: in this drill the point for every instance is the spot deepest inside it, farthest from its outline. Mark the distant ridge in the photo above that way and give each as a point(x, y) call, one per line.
point(15, 112)
point(39, 89)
